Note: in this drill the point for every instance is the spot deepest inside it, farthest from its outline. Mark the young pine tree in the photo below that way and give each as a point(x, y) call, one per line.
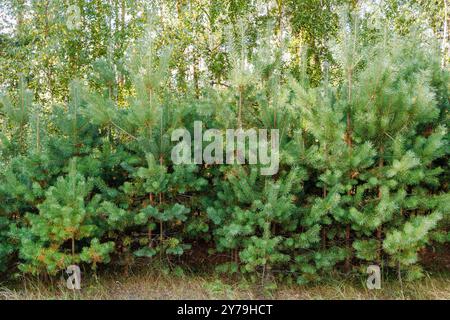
point(66, 229)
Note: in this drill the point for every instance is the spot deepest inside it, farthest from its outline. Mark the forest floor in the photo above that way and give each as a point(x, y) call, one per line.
point(151, 281)
point(178, 285)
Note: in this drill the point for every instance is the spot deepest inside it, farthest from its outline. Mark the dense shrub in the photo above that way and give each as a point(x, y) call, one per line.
point(362, 175)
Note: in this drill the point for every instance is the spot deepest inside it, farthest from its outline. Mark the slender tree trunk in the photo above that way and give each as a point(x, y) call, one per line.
point(20, 17)
point(149, 230)
point(240, 89)
point(48, 70)
point(324, 195)
point(280, 20)
point(445, 47)
point(161, 225)
point(196, 76)
point(38, 133)
point(380, 228)
point(350, 146)
point(324, 230)
point(123, 11)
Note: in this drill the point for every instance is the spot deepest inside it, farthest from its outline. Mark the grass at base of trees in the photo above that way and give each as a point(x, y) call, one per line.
point(152, 284)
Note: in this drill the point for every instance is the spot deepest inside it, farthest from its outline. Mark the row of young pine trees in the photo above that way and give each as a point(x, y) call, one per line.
point(363, 174)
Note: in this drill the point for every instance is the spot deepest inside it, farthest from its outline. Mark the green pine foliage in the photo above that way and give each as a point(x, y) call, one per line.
point(362, 177)
point(66, 229)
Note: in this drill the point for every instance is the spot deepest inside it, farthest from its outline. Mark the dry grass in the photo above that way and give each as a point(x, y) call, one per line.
point(164, 285)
